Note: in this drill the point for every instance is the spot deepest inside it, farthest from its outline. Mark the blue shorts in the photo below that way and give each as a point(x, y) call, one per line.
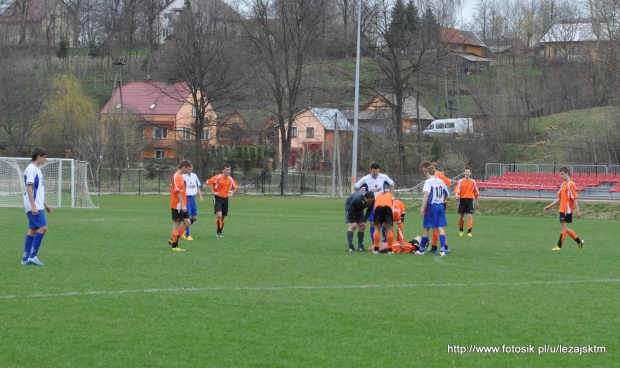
point(192, 209)
point(435, 216)
point(372, 215)
point(35, 222)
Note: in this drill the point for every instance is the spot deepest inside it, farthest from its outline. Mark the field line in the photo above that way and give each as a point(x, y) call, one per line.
point(309, 287)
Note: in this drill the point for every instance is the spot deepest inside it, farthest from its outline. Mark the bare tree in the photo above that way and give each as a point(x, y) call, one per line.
point(282, 34)
point(205, 53)
point(19, 114)
point(409, 47)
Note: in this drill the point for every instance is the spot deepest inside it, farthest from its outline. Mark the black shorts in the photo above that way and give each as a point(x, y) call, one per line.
point(355, 217)
point(220, 204)
point(178, 215)
point(383, 214)
point(566, 217)
point(466, 205)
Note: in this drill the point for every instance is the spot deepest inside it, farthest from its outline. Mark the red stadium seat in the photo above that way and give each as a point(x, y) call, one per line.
point(615, 189)
point(593, 182)
point(583, 175)
point(507, 174)
point(549, 175)
point(540, 175)
point(601, 177)
point(609, 178)
point(492, 178)
point(617, 178)
point(523, 175)
point(592, 176)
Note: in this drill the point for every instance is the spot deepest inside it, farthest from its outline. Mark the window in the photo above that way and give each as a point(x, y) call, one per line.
point(294, 132)
point(187, 133)
point(450, 125)
point(152, 106)
point(575, 51)
point(167, 16)
point(118, 106)
point(309, 132)
point(205, 134)
point(165, 33)
point(160, 133)
point(160, 154)
point(439, 126)
point(193, 110)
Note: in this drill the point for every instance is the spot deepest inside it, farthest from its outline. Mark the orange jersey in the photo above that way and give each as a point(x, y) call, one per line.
point(466, 189)
point(384, 199)
point(222, 185)
point(567, 195)
point(399, 209)
point(443, 178)
point(177, 186)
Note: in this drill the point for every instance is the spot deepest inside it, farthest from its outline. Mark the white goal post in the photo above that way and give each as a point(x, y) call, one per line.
point(66, 182)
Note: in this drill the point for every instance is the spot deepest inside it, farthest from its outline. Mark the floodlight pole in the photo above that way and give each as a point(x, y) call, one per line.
point(357, 95)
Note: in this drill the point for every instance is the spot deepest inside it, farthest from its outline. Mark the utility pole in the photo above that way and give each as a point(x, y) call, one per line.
point(118, 77)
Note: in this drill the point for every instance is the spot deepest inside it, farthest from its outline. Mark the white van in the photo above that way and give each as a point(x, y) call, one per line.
point(449, 126)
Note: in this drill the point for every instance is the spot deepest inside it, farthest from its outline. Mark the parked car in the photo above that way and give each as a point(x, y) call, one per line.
point(443, 127)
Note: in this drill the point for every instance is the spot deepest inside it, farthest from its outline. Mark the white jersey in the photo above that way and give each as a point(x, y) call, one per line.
point(34, 177)
point(192, 183)
point(436, 189)
point(376, 185)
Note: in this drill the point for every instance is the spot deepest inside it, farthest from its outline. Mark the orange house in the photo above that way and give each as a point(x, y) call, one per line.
point(313, 135)
point(464, 41)
point(166, 113)
point(576, 41)
point(232, 130)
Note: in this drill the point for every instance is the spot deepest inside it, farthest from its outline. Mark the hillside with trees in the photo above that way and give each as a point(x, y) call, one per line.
point(270, 59)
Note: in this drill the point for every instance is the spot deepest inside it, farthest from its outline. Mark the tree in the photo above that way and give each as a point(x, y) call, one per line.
point(206, 54)
point(22, 96)
point(282, 35)
point(68, 113)
point(408, 50)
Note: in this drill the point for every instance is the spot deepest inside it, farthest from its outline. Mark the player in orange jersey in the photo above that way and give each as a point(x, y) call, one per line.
point(567, 196)
point(466, 192)
point(399, 217)
point(223, 187)
point(384, 216)
point(178, 200)
point(446, 180)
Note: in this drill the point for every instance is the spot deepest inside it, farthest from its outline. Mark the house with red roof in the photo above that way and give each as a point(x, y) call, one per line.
point(465, 50)
point(164, 111)
point(44, 22)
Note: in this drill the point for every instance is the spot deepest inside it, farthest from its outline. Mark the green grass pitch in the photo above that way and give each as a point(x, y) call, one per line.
point(280, 291)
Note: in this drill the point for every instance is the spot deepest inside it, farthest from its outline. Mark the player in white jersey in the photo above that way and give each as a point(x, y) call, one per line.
point(35, 206)
point(376, 183)
point(433, 211)
point(192, 188)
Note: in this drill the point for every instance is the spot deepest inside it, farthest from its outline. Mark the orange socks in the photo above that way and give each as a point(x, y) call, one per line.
point(470, 223)
point(376, 238)
point(572, 234)
point(460, 223)
point(390, 238)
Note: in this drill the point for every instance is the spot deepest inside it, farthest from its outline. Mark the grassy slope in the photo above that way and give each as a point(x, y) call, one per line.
point(567, 128)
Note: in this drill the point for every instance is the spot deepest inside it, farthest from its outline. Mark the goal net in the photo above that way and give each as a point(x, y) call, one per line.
point(66, 182)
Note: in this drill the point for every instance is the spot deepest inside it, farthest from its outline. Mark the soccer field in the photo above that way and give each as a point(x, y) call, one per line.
point(280, 291)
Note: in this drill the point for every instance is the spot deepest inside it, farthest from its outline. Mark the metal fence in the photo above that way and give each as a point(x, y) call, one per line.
point(157, 181)
point(498, 169)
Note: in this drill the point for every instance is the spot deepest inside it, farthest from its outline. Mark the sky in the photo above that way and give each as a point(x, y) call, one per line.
point(468, 10)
